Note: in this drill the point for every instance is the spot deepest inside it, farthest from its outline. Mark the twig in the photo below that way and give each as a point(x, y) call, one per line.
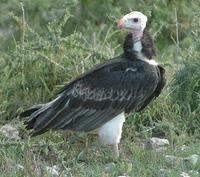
point(52, 61)
point(177, 35)
point(22, 40)
point(149, 129)
point(23, 24)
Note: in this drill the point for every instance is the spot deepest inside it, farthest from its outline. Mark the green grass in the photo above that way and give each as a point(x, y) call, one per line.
point(84, 156)
point(53, 43)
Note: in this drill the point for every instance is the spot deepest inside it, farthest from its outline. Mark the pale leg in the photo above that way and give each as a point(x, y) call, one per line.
point(110, 133)
point(115, 150)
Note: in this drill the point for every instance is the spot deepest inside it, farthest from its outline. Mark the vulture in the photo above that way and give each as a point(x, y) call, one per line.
point(104, 96)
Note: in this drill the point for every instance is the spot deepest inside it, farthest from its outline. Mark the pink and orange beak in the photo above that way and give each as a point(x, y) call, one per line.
point(121, 24)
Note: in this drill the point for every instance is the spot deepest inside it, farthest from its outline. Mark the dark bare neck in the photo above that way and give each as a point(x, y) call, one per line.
point(141, 48)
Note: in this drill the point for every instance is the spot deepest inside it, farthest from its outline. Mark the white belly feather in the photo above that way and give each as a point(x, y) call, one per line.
point(110, 132)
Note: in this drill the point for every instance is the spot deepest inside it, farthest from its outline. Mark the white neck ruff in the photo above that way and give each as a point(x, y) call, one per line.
point(137, 46)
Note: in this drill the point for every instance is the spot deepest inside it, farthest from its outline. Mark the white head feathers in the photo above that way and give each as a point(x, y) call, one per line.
point(134, 20)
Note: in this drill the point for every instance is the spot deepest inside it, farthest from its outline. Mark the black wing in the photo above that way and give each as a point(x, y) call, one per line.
point(98, 96)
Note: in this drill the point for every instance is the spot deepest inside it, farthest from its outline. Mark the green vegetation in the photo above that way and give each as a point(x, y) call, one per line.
point(45, 44)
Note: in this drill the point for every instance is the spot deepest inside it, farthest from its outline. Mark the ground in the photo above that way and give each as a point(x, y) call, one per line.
point(78, 154)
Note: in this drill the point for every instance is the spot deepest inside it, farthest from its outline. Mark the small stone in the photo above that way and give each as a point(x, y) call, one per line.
point(18, 167)
point(156, 144)
point(194, 172)
point(184, 147)
point(54, 170)
point(109, 167)
point(160, 149)
point(173, 159)
point(183, 174)
point(159, 142)
point(192, 159)
point(9, 131)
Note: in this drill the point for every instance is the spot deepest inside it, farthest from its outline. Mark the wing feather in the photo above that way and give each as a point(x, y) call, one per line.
point(98, 96)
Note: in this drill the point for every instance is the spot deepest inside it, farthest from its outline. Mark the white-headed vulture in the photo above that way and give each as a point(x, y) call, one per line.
point(103, 97)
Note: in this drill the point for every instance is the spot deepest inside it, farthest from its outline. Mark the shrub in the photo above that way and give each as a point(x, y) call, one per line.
point(186, 85)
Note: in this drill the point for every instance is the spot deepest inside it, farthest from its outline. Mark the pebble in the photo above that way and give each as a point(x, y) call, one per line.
point(184, 147)
point(193, 159)
point(18, 167)
point(10, 131)
point(54, 170)
point(159, 141)
point(172, 159)
point(157, 144)
point(194, 172)
point(183, 174)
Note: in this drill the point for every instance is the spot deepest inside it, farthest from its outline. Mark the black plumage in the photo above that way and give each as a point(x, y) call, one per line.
point(123, 84)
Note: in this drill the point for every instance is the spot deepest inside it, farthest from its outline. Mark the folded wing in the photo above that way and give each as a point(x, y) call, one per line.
point(97, 97)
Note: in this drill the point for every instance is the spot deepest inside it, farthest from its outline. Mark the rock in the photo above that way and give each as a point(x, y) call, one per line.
point(184, 147)
point(157, 144)
point(192, 159)
point(173, 159)
point(109, 167)
point(54, 170)
point(18, 167)
point(183, 174)
point(193, 172)
point(9, 131)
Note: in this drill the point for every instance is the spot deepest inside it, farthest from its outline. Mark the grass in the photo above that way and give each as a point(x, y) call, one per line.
point(44, 45)
point(83, 156)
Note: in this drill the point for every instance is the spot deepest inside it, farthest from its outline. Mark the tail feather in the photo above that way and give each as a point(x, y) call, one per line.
point(48, 115)
point(41, 115)
point(30, 111)
point(33, 113)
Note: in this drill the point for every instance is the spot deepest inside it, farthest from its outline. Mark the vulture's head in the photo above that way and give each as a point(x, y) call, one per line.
point(134, 21)
point(138, 39)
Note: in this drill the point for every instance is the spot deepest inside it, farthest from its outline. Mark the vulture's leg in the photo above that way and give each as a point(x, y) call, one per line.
point(115, 150)
point(110, 132)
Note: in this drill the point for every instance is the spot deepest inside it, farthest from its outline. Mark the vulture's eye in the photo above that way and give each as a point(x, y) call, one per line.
point(135, 20)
